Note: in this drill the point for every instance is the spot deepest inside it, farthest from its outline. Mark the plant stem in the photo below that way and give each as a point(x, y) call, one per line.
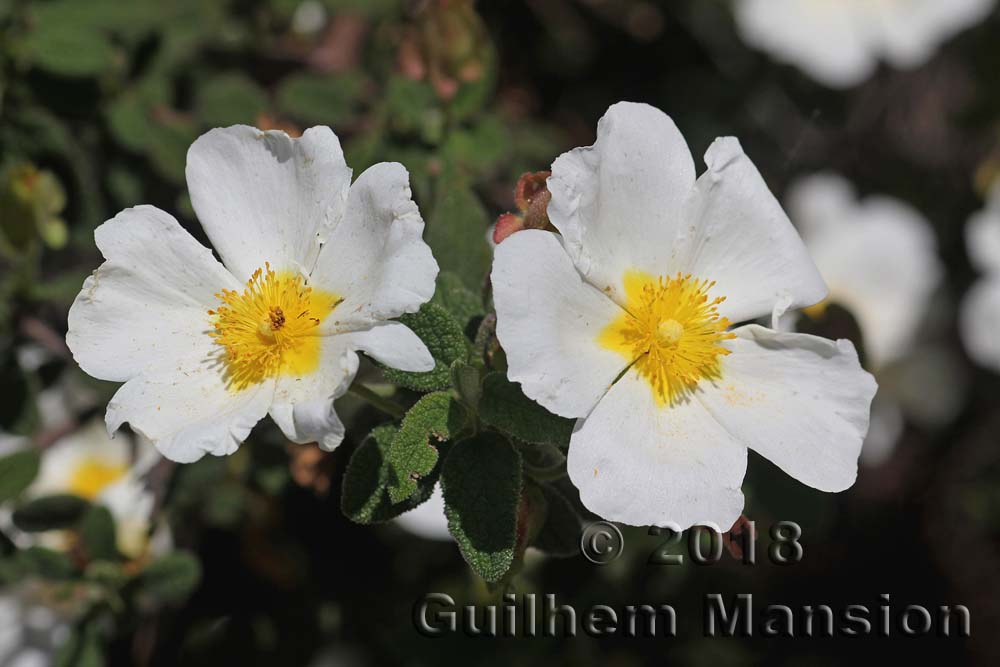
point(383, 404)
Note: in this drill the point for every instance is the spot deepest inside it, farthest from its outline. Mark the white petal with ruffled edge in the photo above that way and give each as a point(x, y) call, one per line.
point(640, 464)
point(619, 204)
point(740, 237)
point(548, 321)
point(143, 306)
point(376, 258)
point(191, 410)
point(303, 405)
point(266, 197)
point(800, 401)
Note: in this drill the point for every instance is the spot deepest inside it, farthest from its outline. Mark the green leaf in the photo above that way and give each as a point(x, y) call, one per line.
point(82, 649)
point(413, 453)
point(46, 563)
point(97, 531)
point(172, 578)
point(365, 497)
point(468, 383)
point(17, 472)
point(412, 107)
point(67, 50)
point(322, 99)
point(452, 295)
point(19, 409)
point(561, 532)
point(446, 342)
point(505, 407)
point(456, 232)
point(50, 513)
point(481, 479)
point(481, 148)
point(230, 99)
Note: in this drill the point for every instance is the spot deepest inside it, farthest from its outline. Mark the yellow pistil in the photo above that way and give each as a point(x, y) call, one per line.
point(271, 328)
point(671, 332)
point(92, 475)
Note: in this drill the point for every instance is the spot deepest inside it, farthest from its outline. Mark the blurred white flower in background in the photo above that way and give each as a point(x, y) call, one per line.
point(879, 257)
point(91, 465)
point(979, 320)
point(428, 519)
point(30, 631)
point(623, 321)
point(840, 42)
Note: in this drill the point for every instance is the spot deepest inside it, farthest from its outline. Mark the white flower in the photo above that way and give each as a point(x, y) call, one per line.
point(979, 319)
point(623, 321)
point(90, 464)
point(839, 42)
point(428, 519)
point(878, 257)
point(313, 270)
point(31, 632)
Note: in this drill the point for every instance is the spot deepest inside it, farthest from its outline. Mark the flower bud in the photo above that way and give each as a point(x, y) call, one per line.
point(30, 203)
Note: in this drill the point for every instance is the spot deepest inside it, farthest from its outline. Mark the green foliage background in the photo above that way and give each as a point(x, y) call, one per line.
point(284, 555)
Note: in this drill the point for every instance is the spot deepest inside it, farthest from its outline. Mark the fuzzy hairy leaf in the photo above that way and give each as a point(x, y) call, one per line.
point(413, 453)
point(365, 497)
point(443, 336)
point(505, 407)
point(452, 295)
point(481, 479)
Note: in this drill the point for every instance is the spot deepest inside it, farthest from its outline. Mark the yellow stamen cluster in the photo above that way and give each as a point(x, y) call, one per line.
point(91, 476)
point(671, 332)
point(271, 327)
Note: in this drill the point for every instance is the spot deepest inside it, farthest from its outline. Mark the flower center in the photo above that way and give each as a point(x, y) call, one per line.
point(670, 331)
point(91, 476)
point(271, 327)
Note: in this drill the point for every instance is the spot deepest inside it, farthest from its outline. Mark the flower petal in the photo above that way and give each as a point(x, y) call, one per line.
point(636, 462)
point(375, 258)
point(190, 411)
point(395, 345)
point(265, 197)
point(303, 405)
point(979, 321)
point(800, 401)
point(742, 239)
point(139, 311)
point(548, 321)
point(619, 203)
